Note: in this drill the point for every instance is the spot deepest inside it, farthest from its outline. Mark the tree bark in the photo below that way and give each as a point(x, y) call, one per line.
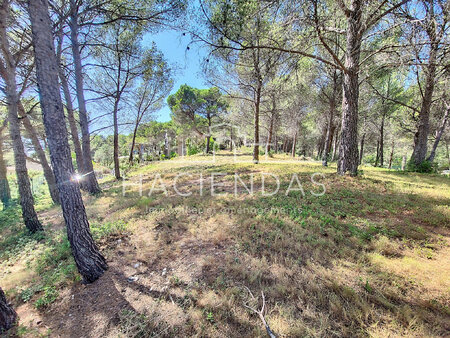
point(335, 144)
point(391, 156)
point(166, 145)
point(256, 123)
point(377, 159)
point(421, 136)
point(348, 149)
point(116, 142)
point(382, 140)
point(90, 263)
point(275, 143)
point(8, 316)
point(89, 179)
point(48, 173)
point(272, 121)
point(71, 119)
point(361, 150)
point(294, 143)
point(330, 130)
point(448, 154)
point(439, 134)
point(231, 138)
point(5, 192)
point(8, 72)
point(133, 142)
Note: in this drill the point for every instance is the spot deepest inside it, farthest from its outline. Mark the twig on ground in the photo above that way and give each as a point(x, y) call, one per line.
point(260, 313)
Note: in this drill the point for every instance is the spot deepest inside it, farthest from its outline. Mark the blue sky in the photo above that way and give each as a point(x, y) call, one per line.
point(186, 63)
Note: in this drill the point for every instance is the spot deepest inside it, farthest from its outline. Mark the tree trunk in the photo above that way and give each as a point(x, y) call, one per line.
point(72, 122)
point(272, 121)
point(26, 197)
point(7, 314)
point(391, 157)
point(130, 158)
point(166, 145)
point(48, 173)
point(89, 179)
point(335, 144)
point(116, 142)
point(330, 130)
point(91, 264)
point(361, 150)
point(141, 147)
point(322, 142)
point(421, 136)
point(256, 126)
point(275, 148)
point(448, 154)
point(439, 134)
point(348, 149)
point(377, 159)
point(231, 138)
point(382, 141)
point(294, 143)
point(207, 144)
point(5, 192)
point(9, 76)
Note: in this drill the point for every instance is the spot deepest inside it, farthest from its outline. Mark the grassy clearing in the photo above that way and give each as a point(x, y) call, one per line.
point(370, 257)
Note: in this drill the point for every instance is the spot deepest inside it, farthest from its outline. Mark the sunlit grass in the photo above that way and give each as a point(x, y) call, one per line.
point(368, 257)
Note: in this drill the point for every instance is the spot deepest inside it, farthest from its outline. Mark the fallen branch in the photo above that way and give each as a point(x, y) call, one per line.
point(260, 313)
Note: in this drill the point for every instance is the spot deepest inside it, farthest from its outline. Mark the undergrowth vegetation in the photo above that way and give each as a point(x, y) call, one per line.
point(369, 257)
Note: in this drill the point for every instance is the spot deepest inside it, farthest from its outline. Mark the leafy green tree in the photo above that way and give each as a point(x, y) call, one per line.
point(155, 85)
point(197, 109)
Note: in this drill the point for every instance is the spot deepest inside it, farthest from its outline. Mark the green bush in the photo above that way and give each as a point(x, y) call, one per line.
point(49, 296)
point(108, 228)
point(193, 149)
point(26, 294)
point(424, 167)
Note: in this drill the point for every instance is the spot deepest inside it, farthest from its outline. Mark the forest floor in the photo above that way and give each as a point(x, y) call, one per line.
point(369, 257)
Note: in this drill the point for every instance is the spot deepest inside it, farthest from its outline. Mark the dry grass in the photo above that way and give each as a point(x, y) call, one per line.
point(368, 258)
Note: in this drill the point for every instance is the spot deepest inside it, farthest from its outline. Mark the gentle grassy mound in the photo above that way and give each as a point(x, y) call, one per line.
point(370, 256)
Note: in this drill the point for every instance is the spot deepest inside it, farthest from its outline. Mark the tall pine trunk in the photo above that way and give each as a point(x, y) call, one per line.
point(382, 140)
point(89, 179)
point(5, 192)
point(133, 142)
point(448, 153)
point(48, 173)
point(91, 264)
point(8, 72)
point(269, 136)
point(166, 145)
point(72, 121)
point(294, 143)
point(439, 134)
point(329, 135)
point(391, 156)
point(208, 142)
point(361, 150)
point(377, 158)
point(116, 141)
point(256, 123)
point(421, 136)
point(8, 316)
point(348, 149)
point(272, 121)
